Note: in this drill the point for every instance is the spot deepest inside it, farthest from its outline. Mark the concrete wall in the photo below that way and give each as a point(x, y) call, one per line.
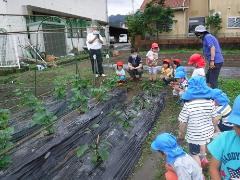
point(94, 9)
point(227, 8)
point(179, 25)
point(198, 8)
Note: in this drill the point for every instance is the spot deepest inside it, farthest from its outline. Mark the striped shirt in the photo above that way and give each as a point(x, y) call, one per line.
point(223, 112)
point(198, 114)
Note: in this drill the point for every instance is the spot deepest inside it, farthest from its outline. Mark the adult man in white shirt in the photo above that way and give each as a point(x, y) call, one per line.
point(94, 45)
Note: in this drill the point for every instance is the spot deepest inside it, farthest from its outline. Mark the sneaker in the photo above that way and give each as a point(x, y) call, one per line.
point(103, 75)
point(96, 75)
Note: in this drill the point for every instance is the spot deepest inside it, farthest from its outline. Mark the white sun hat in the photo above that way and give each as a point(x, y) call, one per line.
point(200, 28)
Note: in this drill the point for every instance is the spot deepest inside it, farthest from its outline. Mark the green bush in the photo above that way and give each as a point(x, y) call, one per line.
point(5, 137)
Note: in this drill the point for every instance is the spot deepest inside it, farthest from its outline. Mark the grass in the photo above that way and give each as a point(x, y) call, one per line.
point(192, 51)
point(231, 87)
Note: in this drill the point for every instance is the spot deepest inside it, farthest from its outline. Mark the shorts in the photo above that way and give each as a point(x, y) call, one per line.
point(194, 149)
point(152, 70)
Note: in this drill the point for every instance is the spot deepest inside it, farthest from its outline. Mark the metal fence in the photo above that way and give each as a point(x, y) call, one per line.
point(37, 43)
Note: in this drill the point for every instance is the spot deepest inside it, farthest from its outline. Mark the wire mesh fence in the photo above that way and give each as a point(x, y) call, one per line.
point(35, 44)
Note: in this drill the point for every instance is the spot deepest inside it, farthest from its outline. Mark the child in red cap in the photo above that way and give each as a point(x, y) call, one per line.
point(199, 63)
point(152, 61)
point(120, 72)
point(166, 71)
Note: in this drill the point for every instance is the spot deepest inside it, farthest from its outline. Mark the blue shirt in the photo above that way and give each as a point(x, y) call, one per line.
point(226, 149)
point(209, 41)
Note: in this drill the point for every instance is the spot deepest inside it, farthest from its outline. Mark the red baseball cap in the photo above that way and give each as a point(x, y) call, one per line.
point(119, 63)
point(154, 45)
point(177, 61)
point(167, 61)
point(195, 58)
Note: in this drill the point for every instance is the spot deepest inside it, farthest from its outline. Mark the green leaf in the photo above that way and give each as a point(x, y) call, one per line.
point(81, 150)
point(94, 126)
point(104, 154)
point(94, 158)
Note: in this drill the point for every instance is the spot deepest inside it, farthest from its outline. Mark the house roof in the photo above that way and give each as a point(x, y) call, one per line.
point(168, 3)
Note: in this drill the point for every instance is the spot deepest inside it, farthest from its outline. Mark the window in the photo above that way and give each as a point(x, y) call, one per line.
point(234, 22)
point(194, 22)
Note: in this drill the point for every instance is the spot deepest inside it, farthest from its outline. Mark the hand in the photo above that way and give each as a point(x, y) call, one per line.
point(212, 65)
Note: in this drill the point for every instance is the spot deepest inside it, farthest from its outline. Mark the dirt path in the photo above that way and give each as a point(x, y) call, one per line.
point(150, 166)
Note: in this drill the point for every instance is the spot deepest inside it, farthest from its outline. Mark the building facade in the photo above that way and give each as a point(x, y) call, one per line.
point(61, 25)
point(190, 13)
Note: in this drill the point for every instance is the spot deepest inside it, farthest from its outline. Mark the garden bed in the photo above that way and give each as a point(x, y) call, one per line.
point(73, 153)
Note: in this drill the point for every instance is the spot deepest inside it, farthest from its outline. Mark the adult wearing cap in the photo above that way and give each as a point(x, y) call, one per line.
point(94, 45)
point(212, 52)
point(225, 149)
point(197, 115)
point(179, 164)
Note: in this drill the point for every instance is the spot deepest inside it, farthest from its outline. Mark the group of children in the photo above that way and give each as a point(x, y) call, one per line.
point(153, 62)
point(206, 113)
point(206, 120)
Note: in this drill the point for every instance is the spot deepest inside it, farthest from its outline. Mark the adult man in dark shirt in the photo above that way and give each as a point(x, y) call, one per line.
point(135, 66)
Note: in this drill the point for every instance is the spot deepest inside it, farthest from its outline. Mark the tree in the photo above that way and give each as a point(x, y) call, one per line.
point(214, 22)
point(158, 18)
point(155, 19)
point(135, 25)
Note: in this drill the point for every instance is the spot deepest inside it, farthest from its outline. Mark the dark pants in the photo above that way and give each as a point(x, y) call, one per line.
point(212, 75)
point(96, 68)
point(135, 72)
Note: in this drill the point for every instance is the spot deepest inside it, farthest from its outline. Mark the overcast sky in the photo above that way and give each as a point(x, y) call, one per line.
point(122, 6)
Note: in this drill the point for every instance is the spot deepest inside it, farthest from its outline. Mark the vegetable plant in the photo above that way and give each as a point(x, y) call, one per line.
point(100, 94)
point(5, 137)
point(41, 115)
point(99, 151)
point(60, 88)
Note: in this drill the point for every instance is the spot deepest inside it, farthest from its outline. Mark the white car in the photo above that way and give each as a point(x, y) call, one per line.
point(123, 38)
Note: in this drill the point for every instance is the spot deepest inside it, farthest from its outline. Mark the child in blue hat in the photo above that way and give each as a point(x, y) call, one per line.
point(179, 164)
point(225, 149)
point(223, 110)
point(197, 117)
point(181, 85)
